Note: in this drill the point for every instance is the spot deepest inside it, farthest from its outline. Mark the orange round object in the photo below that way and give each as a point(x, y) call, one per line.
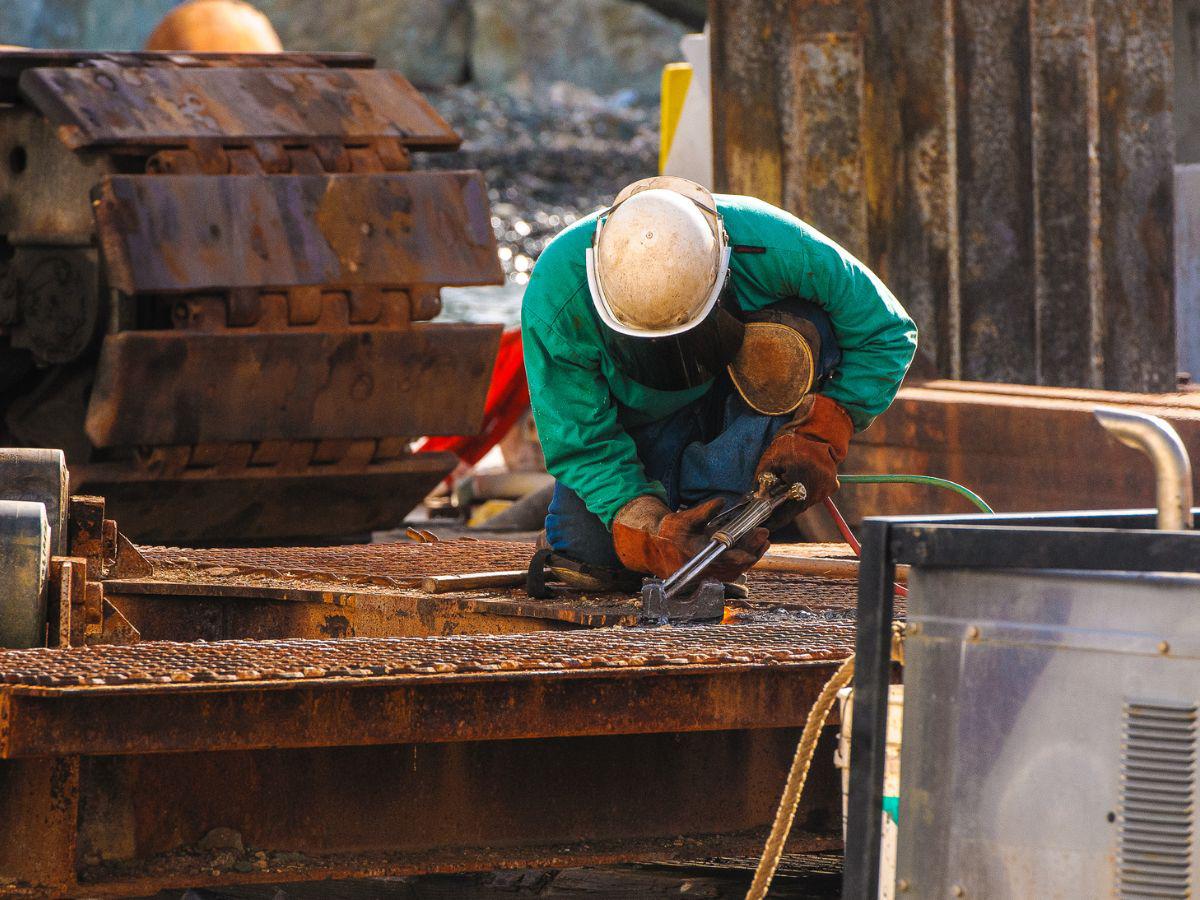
point(214, 26)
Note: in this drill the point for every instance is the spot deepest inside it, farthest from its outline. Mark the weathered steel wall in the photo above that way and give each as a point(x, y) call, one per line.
point(1005, 165)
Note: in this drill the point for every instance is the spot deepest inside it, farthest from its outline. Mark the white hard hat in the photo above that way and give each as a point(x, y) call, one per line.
point(659, 258)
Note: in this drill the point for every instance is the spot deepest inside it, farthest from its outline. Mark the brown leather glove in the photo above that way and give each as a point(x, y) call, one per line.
point(648, 537)
point(809, 448)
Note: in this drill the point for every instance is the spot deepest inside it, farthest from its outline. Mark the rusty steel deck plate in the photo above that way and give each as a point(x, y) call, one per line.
point(249, 663)
point(399, 568)
point(170, 233)
point(231, 695)
point(429, 379)
point(376, 590)
point(105, 104)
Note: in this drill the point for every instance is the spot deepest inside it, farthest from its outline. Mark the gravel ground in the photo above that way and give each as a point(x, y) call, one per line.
point(548, 160)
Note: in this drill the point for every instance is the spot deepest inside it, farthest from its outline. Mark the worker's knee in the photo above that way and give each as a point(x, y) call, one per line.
point(576, 532)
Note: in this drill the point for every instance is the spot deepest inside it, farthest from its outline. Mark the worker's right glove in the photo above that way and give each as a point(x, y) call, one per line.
point(648, 537)
point(809, 448)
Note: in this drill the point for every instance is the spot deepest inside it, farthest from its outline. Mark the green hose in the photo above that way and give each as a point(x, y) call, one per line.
point(919, 479)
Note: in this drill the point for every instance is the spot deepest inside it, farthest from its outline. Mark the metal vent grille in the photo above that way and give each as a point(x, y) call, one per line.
point(1158, 772)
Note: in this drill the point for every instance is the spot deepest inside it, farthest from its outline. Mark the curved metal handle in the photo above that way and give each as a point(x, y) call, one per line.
point(1172, 467)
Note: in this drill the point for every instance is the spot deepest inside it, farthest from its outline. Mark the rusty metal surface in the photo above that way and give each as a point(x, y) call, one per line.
point(1137, 213)
point(1017, 168)
point(1021, 448)
point(165, 664)
point(823, 169)
point(166, 233)
point(403, 563)
point(995, 191)
point(375, 590)
point(248, 502)
point(447, 767)
point(908, 164)
point(1065, 119)
point(320, 235)
point(429, 379)
point(393, 563)
point(106, 104)
point(131, 825)
point(14, 62)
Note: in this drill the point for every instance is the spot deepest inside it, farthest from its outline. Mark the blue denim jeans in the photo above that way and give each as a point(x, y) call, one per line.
point(710, 448)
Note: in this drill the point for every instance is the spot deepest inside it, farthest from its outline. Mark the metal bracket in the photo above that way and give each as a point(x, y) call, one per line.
point(705, 604)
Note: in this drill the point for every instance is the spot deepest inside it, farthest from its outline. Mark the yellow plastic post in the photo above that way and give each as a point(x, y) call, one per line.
point(675, 80)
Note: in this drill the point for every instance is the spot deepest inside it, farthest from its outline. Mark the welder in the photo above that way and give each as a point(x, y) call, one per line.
point(679, 343)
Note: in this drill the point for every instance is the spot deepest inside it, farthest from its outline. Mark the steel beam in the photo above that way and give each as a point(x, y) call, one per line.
point(464, 754)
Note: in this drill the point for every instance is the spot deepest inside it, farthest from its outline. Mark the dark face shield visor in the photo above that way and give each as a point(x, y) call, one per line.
point(681, 361)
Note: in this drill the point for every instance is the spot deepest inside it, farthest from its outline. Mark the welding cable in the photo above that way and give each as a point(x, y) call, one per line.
point(843, 526)
point(929, 480)
point(785, 814)
point(848, 536)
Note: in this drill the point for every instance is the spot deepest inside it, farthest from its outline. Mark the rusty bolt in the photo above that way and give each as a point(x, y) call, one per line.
point(972, 632)
point(902, 885)
point(958, 891)
point(1164, 648)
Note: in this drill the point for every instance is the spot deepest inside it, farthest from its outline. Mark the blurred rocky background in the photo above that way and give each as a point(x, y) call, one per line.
point(514, 45)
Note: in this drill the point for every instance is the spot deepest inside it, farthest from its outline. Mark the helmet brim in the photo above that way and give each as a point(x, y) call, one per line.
point(604, 309)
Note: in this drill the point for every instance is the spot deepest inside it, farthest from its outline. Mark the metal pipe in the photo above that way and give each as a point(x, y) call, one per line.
point(1172, 467)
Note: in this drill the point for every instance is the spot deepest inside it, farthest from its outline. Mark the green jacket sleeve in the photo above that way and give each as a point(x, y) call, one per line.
point(877, 337)
point(584, 445)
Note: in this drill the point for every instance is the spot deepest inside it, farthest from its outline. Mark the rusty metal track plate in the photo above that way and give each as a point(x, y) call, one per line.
point(167, 233)
point(14, 62)
point(151, 106)
point(262, 504)
point(429, 379)
point(165, 697)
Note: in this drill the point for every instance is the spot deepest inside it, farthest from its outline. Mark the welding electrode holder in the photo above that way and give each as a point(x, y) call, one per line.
point(662, 601)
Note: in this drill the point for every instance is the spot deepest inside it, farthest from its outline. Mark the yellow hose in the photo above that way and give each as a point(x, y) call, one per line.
point(793, 788)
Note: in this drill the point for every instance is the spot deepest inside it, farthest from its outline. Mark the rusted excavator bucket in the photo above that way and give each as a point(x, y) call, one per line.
point(216, 276)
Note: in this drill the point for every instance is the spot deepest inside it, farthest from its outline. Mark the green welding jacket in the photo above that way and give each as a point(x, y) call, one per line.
point(583, 404)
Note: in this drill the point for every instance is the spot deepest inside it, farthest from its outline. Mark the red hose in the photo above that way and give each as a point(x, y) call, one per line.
point(848, 536)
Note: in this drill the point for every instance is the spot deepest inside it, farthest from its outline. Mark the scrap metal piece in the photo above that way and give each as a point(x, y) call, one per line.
point(105, 104)
point(169, 233)
point(706, 603)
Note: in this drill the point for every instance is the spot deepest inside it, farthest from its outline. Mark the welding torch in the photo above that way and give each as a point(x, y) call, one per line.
point(733, 524)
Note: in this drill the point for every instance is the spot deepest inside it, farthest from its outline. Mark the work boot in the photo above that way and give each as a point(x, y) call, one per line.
point(550, 565)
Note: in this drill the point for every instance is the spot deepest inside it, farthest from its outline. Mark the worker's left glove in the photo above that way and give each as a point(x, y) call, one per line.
point(809, 448)
point(648, 537)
